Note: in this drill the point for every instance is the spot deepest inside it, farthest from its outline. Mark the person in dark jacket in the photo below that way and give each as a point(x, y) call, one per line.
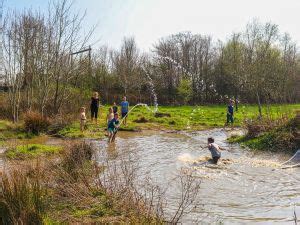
point(230, 110)
point(94, 106)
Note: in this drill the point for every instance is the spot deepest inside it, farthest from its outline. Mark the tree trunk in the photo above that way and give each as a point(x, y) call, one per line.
point(236, 103)
point(56, 96)
point(259, 105)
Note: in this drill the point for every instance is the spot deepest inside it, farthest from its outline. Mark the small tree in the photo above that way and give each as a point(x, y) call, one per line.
point(184, 90)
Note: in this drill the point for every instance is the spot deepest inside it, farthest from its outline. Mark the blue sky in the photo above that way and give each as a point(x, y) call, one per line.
point(149, 20)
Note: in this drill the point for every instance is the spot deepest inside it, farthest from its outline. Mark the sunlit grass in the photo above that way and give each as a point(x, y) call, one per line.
point(31, 151)
point(182, 118)
point(201, 117)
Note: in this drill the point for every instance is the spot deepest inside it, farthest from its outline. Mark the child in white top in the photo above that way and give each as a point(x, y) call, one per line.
point(82, 119)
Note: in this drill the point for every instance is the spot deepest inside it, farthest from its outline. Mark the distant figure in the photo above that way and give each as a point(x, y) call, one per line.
point(82, 119)
point(124, 110)
point(94, 106)
point(214, 150)
point(109, 117)
point(112, 127)
point(230, 110)
point(115, 108)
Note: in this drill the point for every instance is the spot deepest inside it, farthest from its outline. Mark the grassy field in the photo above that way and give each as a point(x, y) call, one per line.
point(181, 118)
point(198, 117)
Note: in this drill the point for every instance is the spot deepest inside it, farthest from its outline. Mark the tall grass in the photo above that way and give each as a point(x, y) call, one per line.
point(23, 199)
point(73, 188)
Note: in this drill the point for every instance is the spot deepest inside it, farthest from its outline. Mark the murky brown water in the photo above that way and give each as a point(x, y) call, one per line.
point(248, 189)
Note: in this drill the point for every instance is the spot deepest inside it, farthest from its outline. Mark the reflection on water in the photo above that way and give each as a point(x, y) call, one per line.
point(243, 189)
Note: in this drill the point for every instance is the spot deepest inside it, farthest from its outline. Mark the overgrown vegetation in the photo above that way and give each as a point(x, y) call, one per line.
point(73, 188)
point(23, 197)
point(35, 123)
point(8, 130)
point(279, 135)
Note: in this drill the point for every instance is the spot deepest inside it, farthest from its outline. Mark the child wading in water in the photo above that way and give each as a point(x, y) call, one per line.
point(112, 127)
point(82, 119)
point(109, 117)
point(214, 150)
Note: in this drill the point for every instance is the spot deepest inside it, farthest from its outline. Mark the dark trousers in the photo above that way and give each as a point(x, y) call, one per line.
point(214, 160)
point(94, 112)
point(229, 118)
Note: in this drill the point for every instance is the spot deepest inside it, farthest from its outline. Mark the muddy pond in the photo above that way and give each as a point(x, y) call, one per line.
point(246, 188)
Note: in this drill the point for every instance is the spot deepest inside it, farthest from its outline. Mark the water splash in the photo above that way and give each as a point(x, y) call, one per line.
point(186, 157)
point(292, 162)
point(152, 89)
point(139, 104)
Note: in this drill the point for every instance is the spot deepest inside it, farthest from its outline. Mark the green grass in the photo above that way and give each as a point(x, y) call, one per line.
point(182, 118)
point(203, 116)
point(8, 130)
point(31, 151)
point(100, 209)
point(49, 221)
point(73, 131)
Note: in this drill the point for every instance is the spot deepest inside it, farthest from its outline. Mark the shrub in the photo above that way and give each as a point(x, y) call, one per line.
point(275, 137)
point(58, 124)
point(22, 199)
point(35, 123)
point(256, 127)
point(75, 158)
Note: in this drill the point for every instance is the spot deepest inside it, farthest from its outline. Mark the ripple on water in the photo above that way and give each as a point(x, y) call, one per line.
point(242, 189)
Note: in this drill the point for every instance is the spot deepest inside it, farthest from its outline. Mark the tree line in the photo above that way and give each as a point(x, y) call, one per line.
point(256, 65)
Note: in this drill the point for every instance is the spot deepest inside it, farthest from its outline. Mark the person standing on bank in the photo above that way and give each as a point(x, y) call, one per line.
point(94, 106)
point(115, 108)
point(230, 110)
point(124, 110)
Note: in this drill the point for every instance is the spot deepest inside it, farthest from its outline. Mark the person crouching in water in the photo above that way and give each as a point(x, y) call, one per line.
point(109, 117)
point(82, 119)
point(112, 127)
point(214, 150)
